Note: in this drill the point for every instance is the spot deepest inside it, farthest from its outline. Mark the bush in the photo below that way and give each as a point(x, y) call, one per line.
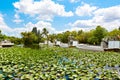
point(33, 46)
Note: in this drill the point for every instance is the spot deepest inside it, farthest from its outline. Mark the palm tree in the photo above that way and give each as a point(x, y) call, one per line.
point(45, 32)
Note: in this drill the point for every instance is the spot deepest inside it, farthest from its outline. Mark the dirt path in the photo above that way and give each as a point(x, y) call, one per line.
point(89, 47)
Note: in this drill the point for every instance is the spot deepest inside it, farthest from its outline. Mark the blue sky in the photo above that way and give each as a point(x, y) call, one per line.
point(17, 16)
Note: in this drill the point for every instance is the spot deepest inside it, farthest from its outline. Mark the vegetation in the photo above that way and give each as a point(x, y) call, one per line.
point(35, 36)
point(58, 63)
point(13, 39)
point(2, 36)
point(45, 33)
point(29, 38)
point(115, 32)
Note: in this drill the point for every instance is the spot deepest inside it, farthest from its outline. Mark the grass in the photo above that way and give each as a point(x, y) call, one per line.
point(58, 63)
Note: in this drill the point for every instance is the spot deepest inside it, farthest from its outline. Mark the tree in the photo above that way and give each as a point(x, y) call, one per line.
point(74, 33)
point(34, 30)
point(115, 34)
point(99, 33)
point(28, 38)
point(59, 36)
point(14, 40)
point(93, 40)
point(80, 32)
point(65, 36)
point(2, 37)
point(82, 37)
point(45, 33)
point(39, 35)
point(52, 37)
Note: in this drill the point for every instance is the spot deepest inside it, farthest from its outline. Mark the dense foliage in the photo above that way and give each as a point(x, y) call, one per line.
point(93, 36)
point(29, 38)
point(35, 36)
point(58, 63)
point(13, 39)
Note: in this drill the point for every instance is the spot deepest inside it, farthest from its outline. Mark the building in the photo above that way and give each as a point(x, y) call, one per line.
point(6, 43)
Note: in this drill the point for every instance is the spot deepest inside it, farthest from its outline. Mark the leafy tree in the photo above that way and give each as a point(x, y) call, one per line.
point(93, 40)
point(34, 30)
point(45, 33)
point(52, 37)
point(39, 35)
point(74, 33)
point(83, 37)
point(2, 37)
point(99, 33)
point(65, 36)
point(80, 32)
point(59, 36)
point(115, 34)
point(15, 40)
point(28, 38)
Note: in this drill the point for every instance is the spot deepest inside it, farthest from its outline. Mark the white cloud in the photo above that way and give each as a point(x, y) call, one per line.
point(3, 25)
point(74, 1)
point(17, 21)
point(108, 14)
point(17, 18)
point(83, 24)
point(60, 0)
point(85, 10)
point(40, 25)
point(28, 27)
point(7, 30)
point(108, 18)
point(45, 17)
point(46, 9)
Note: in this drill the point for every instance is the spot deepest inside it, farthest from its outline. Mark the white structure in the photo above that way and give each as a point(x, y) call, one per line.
point(63, 45)
point(6, 43)
point(57, 43)
point(114, 44)
point(49, 43)
point(73, 43)
point(104, 44)
point(46, 42)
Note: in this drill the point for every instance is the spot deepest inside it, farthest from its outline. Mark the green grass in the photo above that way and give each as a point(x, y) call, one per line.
point(58, 63)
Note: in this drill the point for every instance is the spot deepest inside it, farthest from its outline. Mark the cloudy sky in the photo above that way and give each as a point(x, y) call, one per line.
point(17, 16)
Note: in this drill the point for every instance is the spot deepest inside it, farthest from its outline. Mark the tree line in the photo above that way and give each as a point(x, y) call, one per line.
point(35, 36)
